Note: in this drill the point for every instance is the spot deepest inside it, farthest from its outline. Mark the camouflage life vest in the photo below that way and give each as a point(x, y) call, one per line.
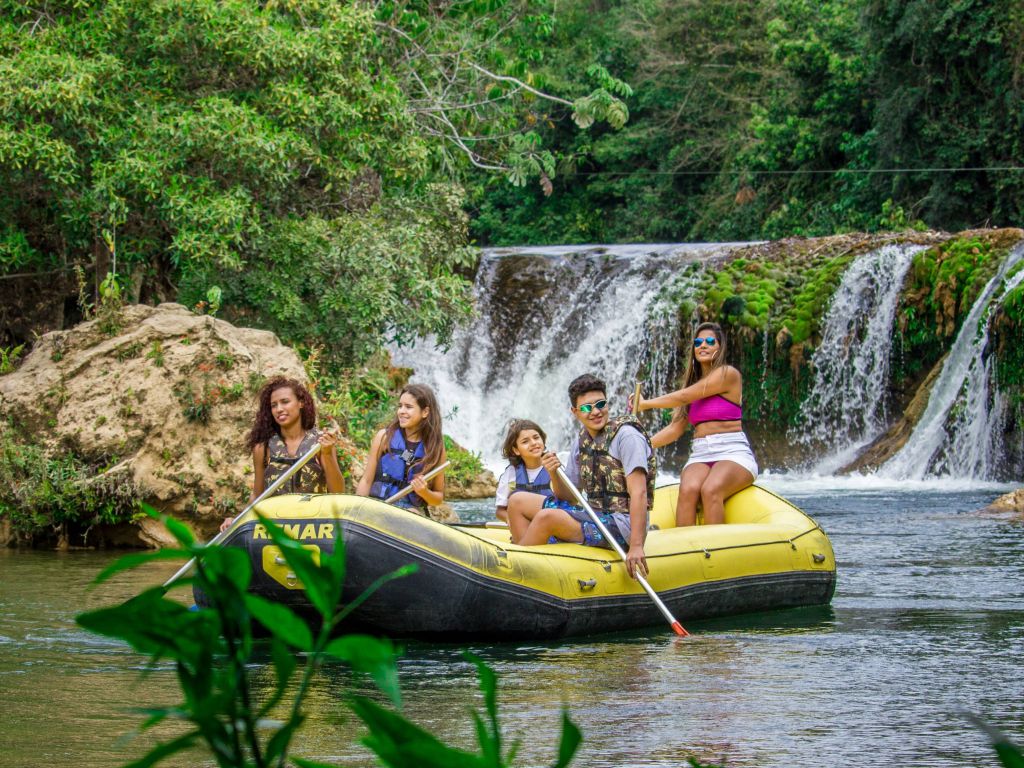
point(602, 477)
point(309, 479)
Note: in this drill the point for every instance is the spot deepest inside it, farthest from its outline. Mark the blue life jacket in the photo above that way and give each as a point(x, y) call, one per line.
point(395, 469)
point(541, 483)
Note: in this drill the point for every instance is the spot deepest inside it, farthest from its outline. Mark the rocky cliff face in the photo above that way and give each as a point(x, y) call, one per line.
point(161, 407)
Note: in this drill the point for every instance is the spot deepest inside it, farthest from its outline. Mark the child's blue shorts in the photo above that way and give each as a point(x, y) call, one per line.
point(592, 535)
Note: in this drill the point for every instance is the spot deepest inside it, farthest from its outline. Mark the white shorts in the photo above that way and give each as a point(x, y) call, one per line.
point(727, 446)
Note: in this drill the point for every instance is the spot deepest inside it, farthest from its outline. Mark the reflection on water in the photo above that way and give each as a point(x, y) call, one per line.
point(928, 620)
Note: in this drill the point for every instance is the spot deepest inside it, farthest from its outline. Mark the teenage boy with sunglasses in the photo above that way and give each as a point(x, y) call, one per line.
point(612, 462)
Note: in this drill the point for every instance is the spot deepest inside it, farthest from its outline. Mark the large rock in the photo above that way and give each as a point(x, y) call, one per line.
point(164, 404)
point(1010, 502)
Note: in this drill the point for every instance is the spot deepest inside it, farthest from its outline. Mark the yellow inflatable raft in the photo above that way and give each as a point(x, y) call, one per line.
point(473, 583)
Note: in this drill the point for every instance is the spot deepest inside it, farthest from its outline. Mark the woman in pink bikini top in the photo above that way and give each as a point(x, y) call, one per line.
point(721, 461)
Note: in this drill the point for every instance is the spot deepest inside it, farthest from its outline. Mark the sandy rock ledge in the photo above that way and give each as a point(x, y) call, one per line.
point(164, 405)
point(1010, 502)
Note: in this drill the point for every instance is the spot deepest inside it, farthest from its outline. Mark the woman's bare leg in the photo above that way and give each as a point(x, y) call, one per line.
point(724, 479)
point(690, 482)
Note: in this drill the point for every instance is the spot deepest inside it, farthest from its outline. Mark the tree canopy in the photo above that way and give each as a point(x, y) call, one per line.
point(315, 162)
point(300, 157)
point(775, 118)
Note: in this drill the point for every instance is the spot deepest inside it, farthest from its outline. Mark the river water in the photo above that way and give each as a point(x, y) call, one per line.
point(927, 623)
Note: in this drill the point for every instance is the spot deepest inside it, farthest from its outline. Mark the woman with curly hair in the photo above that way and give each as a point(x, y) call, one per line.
point(285, 430)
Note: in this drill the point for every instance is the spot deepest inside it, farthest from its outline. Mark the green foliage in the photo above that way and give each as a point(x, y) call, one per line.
point(293, 166)
point(481, 80)
point(210, 305)
point(346, 284)
point(360, 400)
point(942, 285)
point(213, 650)
point(465, 467)
point(1008, 338)
point(9, 358)
point(44, 493)
point(811, 299)
point(775, 118)
point(744, 292)
point(109, 315)
point(201, 393)
point(949, 87)
point(773, 388)
point(227, 144)
point(156, 353)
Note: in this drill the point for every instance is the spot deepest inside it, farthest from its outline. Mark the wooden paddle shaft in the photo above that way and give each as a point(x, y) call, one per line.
point(426, 478)
point(676, 626)
point(299, 464)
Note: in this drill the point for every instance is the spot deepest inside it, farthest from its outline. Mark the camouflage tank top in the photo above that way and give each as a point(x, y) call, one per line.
point(310, 479)
point(602, 476)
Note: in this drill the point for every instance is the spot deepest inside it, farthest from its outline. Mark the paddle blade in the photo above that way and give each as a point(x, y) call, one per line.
point(678, 629)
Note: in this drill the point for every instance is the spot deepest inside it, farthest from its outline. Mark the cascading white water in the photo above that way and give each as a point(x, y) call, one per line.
point(847, 404)
point(959, 432)
point(547, 315)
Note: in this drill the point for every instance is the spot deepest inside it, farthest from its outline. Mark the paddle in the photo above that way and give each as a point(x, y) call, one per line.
point(299, 464)
point(676, 626)
point(635, 406)
point(426, 478)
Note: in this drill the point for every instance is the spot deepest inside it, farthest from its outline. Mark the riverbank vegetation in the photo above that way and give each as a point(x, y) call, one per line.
point(246, 150)
point(775, 118)
point(299, 162)
point(57, 496)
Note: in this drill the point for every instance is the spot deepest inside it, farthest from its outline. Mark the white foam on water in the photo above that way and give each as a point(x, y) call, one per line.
point(795, 484)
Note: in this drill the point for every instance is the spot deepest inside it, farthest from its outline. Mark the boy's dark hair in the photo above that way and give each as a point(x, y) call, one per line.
point(588, 382)
point(514, 428)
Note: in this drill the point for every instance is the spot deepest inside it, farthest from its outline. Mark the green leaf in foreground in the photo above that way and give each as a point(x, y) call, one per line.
point(570, 742)
point(154, 625)
point(280, 621)
point(372, 656)
point(1010, 755)
point(401, 744)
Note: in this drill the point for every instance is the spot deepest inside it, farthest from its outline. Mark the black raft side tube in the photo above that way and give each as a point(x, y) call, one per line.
point(446, 599)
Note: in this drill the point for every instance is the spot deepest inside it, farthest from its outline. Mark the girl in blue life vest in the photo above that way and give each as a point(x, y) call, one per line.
point(409, 447)
point(523, 447)
point(284, 430)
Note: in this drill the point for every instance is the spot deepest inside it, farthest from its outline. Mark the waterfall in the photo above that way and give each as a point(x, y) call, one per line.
point(847, 404)
point(959, 433)
point(547, 315)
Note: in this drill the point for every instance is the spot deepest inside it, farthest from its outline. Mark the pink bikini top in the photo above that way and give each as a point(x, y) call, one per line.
point(714, 408)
